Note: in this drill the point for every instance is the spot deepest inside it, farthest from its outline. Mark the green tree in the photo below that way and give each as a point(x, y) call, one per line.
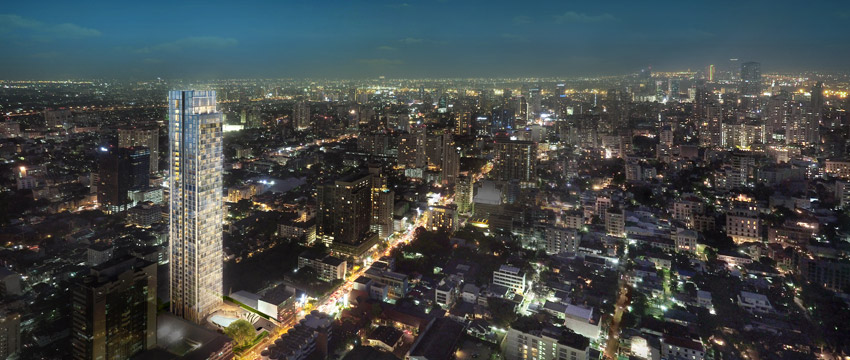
point(241, 332)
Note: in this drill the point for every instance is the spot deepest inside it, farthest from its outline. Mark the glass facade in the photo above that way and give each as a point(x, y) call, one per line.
point(196, 212)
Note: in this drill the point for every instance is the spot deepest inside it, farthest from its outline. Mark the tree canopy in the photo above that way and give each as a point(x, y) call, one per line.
point(241, 332)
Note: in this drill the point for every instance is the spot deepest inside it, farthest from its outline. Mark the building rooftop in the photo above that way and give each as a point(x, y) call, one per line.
point(510, 270)
point(488, 194)
point(386, 334)
point(438, 341)
point(179, 339)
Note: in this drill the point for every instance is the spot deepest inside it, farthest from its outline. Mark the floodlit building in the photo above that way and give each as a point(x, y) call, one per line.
point(197, 213)
point(511, 278)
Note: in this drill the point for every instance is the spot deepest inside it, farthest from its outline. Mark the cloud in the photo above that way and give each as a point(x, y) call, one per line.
point(522, 19)
point(75, 31)
point(192, 42)
point(385, 48)
point(575, 17)
point(399, 5)
point(16, 24)
point(380, 62)
point(411, 40)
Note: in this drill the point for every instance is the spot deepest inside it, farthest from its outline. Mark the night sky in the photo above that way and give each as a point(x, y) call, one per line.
point(450, 38)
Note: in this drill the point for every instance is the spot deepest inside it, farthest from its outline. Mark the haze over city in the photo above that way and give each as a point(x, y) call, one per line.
point(425, 180)
point(414, 39)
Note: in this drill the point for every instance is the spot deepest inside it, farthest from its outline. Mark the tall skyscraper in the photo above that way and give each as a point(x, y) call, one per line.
point(515, 160)
point(146, 135)
point(711, 125)
point(345, 208)
point(115, 310)
point(196, 214)
point(710, 73)
point(451, 161)
point(10, 335)
point(121, 170)
point(464, 193)
point(751, 78)
point(817, 100)
point(383, 203)
point(778, 111)
point(434, 150)
point(411, 149)
point(803, 126)
point(301, 115)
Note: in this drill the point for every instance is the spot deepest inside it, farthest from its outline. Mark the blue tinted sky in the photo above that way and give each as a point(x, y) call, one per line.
point(140, 39)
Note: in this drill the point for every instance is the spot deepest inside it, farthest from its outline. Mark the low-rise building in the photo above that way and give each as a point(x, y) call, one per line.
point(681, 348)
point(686, 240)
point(561, 239)
point(511, 278)
point(396, 283)
point(742, 224)
point(754, 303)
point(583, 321)
point(438, 341)
point(386, 338)
point(544, 343)
point(328, 268)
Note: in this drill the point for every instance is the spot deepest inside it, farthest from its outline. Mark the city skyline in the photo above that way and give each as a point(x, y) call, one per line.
point(473, 39)
point(425, 180)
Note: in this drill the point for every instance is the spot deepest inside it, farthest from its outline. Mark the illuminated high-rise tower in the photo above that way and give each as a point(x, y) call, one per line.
point(195, 183)
point(751, 79)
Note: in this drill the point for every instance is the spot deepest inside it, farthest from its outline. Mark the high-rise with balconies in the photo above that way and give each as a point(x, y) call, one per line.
point(196, 213)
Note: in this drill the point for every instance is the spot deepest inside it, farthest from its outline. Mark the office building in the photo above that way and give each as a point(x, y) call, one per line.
point(147, 136)
point(114, 313)
point(196, 215)
point(121, 170)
